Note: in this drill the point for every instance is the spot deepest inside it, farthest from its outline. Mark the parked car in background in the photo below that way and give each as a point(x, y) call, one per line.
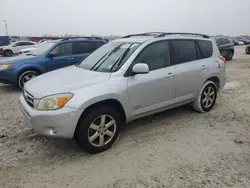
point(245, 41)
point(29, 50)
point(248, 49)
point(226, 47)
point(15, 47)
point(49, 56)
point(237, 42)
point(124, 80)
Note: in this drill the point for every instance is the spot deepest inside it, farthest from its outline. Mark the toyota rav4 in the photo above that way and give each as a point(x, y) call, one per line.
point(124, 80)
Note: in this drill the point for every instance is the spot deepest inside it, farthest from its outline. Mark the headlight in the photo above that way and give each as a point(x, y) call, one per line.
point(2, 67)
point(54, 102)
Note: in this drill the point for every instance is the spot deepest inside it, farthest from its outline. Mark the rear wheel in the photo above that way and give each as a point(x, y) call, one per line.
point(228, 54)
point(206, 98)
point(8, 53)
point(99, 130)
point(26, 76)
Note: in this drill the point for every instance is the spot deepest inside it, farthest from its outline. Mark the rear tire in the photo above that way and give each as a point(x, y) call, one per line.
point(227, 54)
point(26, 76)
point(230, 55)
point(206, 98)
point(99, 130)
point(8, 53)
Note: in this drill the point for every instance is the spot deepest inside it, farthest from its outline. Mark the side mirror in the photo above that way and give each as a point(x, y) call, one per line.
point(13, 45)
point(52, 54)
point(140, 68)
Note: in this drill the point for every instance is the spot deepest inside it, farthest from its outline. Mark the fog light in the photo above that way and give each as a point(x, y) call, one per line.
point(52, 131)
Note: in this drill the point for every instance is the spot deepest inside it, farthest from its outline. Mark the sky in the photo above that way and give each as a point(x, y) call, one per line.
point(121, 17)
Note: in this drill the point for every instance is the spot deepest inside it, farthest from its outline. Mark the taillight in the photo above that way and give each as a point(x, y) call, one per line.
point(223, 58)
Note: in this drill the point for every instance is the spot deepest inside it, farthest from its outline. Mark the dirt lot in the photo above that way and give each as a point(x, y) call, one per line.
point(178, 148)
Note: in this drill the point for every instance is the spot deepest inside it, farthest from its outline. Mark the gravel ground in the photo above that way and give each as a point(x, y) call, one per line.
point(178, 148)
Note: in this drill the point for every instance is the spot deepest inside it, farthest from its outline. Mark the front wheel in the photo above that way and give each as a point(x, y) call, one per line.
point(99, 130)
point(206, 98)
point(8, 53)
point(25, 77)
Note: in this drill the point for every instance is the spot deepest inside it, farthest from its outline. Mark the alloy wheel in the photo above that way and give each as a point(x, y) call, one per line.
point(208, 97)
point(102, 130)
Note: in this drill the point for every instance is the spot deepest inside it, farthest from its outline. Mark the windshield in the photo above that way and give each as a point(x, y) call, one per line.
point(42, 48)
point(110, 57)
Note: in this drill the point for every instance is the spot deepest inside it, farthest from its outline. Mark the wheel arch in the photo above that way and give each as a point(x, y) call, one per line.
point(216, 80)
point(27, 68)
point(109, 102)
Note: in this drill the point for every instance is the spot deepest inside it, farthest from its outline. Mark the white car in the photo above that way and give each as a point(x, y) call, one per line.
point(27, 50)
point(15, 48)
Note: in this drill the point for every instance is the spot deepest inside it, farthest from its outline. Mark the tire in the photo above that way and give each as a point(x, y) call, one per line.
point(8, 53)
point(247, 52)
point(200, 104)
point(90, 131)
point(26, 76)
point(230, 55)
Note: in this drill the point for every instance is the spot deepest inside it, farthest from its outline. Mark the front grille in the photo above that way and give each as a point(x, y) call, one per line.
point(28, 98)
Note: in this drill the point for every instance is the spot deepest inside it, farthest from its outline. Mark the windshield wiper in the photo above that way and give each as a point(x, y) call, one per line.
point(97, 65)
point(118, 62)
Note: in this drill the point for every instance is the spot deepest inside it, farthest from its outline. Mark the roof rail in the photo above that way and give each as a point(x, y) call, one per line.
point(89, 38)
point(177, 33)
point(153, 34)
point(163, 34)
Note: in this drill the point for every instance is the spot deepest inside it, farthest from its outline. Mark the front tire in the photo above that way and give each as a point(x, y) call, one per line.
point(206, 98)
point(99, 130)
point(8, 53)
point(26, 76)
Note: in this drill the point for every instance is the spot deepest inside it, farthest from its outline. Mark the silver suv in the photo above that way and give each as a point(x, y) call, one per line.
point(124, 80)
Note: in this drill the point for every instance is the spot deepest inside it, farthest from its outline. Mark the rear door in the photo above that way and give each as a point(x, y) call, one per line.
point(64, 57)
point(82, 49)
point(189, 69)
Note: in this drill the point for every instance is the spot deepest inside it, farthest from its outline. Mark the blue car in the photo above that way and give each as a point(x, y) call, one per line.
point(47, 56)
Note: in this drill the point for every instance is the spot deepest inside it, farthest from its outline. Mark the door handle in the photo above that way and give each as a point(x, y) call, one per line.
point(203, 67)
point(170, 74)
point(71, 58)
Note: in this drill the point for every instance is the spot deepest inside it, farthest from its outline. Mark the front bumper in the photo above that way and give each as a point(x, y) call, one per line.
point(8, 76)
point(58, 123)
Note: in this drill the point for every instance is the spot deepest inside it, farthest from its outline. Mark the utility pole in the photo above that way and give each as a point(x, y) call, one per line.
point(6, 27)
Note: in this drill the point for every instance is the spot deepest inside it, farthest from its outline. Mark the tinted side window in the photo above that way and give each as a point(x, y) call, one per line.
point(156, 55)
point(183, 51)
point(225, 41)
point(28, 43)
point(218, 41)
point(20, 44)
point(63, 49)
point(85, 47)
point(206, 48)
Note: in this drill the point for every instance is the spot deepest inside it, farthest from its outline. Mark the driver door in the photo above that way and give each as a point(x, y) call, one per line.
point(155, 90)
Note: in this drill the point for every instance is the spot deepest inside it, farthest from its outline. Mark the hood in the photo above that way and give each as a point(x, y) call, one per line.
point(64, 80)
point(18, 58)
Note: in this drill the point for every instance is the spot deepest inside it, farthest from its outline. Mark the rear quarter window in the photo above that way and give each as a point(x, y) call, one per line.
point(206, 48)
